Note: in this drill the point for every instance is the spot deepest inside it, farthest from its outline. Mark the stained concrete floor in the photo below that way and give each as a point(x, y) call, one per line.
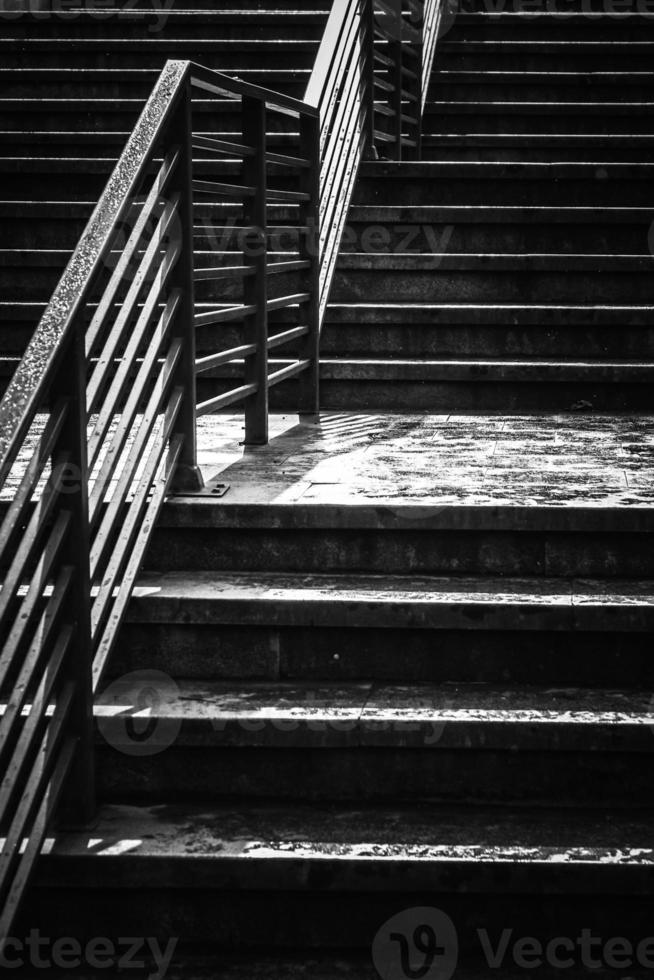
point(544, 460)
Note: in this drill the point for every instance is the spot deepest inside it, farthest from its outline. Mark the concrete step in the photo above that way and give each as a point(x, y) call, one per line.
point(398, 536)
point(434, 330)
point(467, 277)
point(588, 86)
point(105, 83)
point(335, 876)
point(545, 148)
point(170, 25)
point(600, 184)
point(528, 54)
point(522, 117)
point(531, 26)
point(367, 741)
point(416, 230)
point(279, 626)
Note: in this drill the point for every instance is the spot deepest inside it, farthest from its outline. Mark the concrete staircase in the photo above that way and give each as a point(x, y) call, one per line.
point(385, 691)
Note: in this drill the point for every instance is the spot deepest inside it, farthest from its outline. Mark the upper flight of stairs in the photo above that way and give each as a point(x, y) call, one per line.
point(71, 89)
point(512, 270)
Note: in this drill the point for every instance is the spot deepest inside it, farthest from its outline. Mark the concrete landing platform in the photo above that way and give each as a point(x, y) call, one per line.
point(467, 460)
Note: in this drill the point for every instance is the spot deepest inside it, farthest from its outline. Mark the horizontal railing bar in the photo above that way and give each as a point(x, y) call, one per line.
point(280, 302)
point(223, 272)
point(36, 786)
point(296, 265)
point(30, 602)
point(287, 372)
point(148, 421)
point(14, 575)
point(39, 706)
point(215, 360)
point(31, 379)
point(223, 189)
point(280, 339)
point(130, 522)
point(40, 458)
point(32, 659)
point(383, 59)
point(142, 277)
point(222, 146)
point(223, 316)
point(287, 161)
point(127, 253)
point(129, 355)
point(160, 488)
point(130, 409)
point(278, 195)
point(219, 84)
point(229, 398)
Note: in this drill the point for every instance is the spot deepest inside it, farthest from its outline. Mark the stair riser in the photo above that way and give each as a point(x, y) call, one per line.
point(408, 340)
point(603, 191)
point(554, 27)
point(161, 27)
point(325, 916)
point(477, 287)
point(83, 87)
point(218, 56)
point(590, 779)
point(99, 120)
point(569, 58)
point(442, 150)
point(521, 89)
point(404, 552)
point(508, 397)
point(555, 123)
point(517, 238)
point(340, 653)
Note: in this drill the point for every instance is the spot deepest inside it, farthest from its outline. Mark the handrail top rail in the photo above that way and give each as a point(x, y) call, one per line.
point(31, 378)
point(221, 84)
point(338, 15)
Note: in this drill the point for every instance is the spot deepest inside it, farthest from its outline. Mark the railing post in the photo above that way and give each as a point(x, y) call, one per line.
point(188, 477)
point(255, 257)
point(309, 248)
point(70, 479)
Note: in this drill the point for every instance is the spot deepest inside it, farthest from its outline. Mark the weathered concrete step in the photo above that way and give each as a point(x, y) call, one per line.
point(338, 874)
point(437, 330)
point(425, 229)
point(124, 83)
point(180, 25)
point(572, 86)
point(524, 118)
point(389, 535)
point(261, 599)
point(447, 743)
point(515, 147)
point(545, 55)
point(534, 27)
point(152, 52)
point(504, 278)
point(598, 184)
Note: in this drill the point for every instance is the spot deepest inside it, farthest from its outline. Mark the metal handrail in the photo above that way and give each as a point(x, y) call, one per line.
point(112, 368)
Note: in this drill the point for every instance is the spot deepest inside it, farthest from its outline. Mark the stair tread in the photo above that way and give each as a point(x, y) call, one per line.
point(466, 717)
point(421, 834)
point(466, 602)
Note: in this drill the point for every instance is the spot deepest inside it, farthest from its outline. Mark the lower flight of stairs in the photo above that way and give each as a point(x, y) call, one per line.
point(442, 707)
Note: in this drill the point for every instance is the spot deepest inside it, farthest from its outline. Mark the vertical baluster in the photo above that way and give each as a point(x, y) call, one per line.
point(255, 256)
point(70, 477)
point(309, 250)
point(188, 477)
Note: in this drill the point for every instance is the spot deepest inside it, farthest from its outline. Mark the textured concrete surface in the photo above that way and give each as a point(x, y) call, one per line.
point(557, 461)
